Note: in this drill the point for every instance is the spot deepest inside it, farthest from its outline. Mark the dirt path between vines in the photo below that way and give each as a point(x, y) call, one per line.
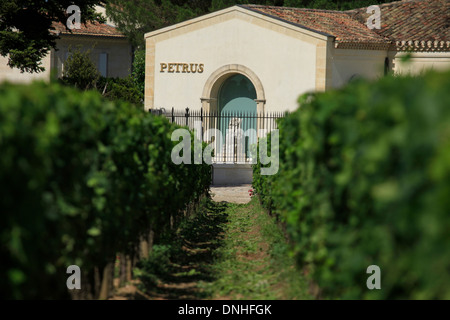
point(222, 253)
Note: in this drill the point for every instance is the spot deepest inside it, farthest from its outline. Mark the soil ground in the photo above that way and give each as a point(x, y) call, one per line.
point(231, 194)
point(231, 250)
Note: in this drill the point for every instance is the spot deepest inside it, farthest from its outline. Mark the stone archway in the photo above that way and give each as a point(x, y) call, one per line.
point(218, 77)
point(226, 173)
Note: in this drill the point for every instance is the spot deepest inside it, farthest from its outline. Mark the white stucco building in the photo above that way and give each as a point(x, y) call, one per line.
point(285, 52)
point(257, 59)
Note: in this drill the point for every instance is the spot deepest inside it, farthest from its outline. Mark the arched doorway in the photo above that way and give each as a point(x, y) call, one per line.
point(237, 113)
point(216, 80)
point(237, 94)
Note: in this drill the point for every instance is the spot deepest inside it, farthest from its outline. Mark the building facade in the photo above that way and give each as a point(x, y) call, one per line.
point(109, 50)
point(279, 53)
point(245, 63)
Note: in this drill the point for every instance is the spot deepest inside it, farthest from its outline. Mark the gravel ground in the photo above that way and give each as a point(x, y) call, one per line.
point(232, 194)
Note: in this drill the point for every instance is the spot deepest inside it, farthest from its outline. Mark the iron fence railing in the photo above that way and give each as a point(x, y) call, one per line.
point(234, 134)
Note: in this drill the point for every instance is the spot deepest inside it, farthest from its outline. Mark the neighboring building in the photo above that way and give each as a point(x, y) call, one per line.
point(280, 53)
point(110, 51)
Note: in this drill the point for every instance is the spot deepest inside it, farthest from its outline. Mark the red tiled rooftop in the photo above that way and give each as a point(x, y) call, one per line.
point(426, 20)
point(89, 29)
point(414, 20)
point(334, 23)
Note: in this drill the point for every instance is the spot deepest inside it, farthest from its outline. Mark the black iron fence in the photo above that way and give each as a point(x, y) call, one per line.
point(233, 134)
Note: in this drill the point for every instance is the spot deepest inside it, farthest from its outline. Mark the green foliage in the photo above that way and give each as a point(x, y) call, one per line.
point(316, 4)
point(156, 265)
point(223, 251)
point(79, 70)
point(184, 255)
point(264, 183)
point(124, 89)
point(221, 4)
point(332, 5)
point(82, 179)
point(138, 74)
point(25, 29)
point(252, 262)
point(135, 18)
point(364, 179)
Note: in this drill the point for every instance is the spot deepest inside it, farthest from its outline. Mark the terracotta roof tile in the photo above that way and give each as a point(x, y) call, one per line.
point(335, 23)
point(413, 21)
point(89, 29)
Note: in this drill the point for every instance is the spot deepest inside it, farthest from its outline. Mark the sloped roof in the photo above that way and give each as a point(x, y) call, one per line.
point(89, 29)
point(410, 24)
point(333, 23)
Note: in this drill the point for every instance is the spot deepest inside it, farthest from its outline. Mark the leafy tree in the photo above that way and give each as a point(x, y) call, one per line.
point(138, 74)
point(79, 70)
point(221, 4)
point(121, 89)
point(316, 4)
point(25, 28)
point(135, 18)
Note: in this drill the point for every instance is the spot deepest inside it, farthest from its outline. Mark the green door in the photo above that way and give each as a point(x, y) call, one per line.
point(237, 108)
